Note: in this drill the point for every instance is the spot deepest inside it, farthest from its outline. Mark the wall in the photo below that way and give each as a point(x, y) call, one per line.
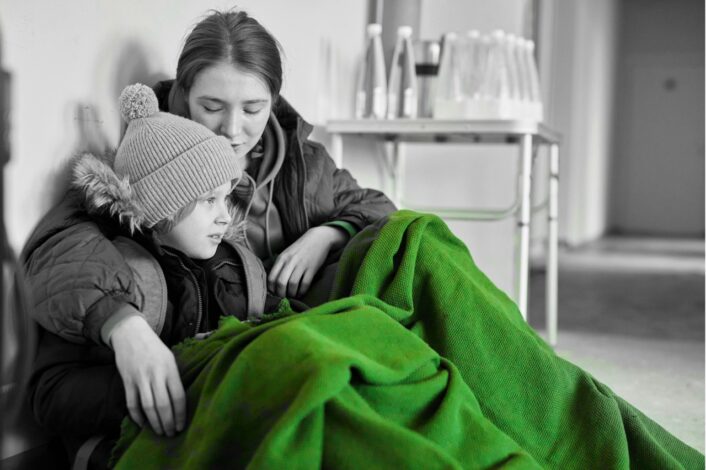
point(70, 60)
point(579, 41)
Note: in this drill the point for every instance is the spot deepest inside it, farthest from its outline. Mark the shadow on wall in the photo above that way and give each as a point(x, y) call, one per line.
point(133, 65)
point(129, 65)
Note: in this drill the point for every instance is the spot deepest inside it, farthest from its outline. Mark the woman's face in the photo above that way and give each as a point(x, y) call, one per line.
point(231, 103)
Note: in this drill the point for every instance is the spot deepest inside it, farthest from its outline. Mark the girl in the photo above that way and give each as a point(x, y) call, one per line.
point(168, 189)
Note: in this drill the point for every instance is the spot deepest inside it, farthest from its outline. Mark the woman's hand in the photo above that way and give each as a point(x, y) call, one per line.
point(150, 377)
point(296, 266)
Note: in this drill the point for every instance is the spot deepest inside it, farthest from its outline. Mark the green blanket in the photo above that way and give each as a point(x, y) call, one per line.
point(421, 362)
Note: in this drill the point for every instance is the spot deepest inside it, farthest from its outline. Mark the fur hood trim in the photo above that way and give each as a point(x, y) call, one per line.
point(106, 192)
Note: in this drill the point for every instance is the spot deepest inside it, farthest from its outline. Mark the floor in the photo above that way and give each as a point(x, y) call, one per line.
point(631, 312)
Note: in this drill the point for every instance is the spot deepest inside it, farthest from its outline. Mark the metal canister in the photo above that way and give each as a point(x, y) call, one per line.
point(426, 53)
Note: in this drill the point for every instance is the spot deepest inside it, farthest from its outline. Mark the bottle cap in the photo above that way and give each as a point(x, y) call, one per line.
point(404, 31)
point(474, 34)
point(498, 34)
point(374, 29)
point(529, 44)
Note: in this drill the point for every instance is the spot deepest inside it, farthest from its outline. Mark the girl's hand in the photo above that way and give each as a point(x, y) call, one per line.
point(296, 266)
point(150, 376)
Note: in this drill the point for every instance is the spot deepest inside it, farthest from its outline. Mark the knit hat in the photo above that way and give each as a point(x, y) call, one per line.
point(169, 161)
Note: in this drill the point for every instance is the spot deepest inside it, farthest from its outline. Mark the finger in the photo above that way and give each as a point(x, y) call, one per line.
point(133, 405)
point(305, 282)
point(294, 281)
point(163, 407)
point(281, 284)
point(147, 402)
point(274, 274)
point(176, 392)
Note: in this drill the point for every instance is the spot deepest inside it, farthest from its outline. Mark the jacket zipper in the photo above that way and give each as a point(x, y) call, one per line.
point(198, 294)
point(301, 186)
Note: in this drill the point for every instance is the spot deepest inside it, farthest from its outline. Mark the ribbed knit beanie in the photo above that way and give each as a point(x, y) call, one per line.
point(170, 161)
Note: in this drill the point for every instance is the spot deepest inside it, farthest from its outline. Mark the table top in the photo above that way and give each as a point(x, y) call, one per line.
point(436, 129)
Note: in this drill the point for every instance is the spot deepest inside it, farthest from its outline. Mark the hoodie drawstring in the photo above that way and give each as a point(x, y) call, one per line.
point(273, 126)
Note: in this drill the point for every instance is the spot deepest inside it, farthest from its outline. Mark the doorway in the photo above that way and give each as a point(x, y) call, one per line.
point(658, 184)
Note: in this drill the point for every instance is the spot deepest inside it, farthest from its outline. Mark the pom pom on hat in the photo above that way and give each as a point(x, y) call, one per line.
point(137, 101)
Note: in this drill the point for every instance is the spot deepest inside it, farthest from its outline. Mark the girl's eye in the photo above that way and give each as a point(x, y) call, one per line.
point(211, 110)
point(252, 111)
point(211, 200)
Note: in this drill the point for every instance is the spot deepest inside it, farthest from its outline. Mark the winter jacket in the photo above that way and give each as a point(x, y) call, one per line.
point(79, 278)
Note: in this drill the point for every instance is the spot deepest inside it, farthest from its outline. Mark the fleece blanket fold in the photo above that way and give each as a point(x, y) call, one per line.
point(419, 362)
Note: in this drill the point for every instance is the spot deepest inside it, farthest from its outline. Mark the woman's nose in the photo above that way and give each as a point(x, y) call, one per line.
point(232, 126)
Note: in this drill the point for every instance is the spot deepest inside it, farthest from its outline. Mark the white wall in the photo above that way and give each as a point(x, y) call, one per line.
point(70, 60)
point(580, 43)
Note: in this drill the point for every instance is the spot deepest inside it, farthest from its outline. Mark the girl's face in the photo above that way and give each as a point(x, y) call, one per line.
point(198, 234)
point(231, 103)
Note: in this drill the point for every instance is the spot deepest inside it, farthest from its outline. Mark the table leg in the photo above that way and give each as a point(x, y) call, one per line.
point(394, 170)
point(399, 170)
point(523, 225)
point(553, 245)
point(337, 149)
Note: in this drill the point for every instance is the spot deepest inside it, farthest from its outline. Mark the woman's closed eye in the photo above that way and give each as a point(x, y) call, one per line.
point(253, 110)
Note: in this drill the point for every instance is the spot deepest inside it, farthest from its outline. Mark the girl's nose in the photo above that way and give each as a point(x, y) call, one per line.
point(224, 216)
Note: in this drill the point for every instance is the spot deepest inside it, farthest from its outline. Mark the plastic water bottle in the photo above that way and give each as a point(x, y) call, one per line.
point(371, 91)
point(448, 103)
point(402, 86)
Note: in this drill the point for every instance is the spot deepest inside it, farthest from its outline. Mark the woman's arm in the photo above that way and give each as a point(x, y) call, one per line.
point(77, 277)
point(153, 390)
point(348, 209)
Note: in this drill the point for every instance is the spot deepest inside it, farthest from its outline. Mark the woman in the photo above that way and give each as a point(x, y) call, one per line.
point(300, 208)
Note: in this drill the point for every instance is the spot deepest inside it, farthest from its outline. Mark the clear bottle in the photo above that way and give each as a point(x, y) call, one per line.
point(371, 90)
point(448, 103)
point(402, 85)
point(473, 72)
point(523, 70)
point(535, 109)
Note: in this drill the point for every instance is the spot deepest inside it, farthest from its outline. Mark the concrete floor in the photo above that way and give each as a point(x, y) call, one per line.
point(631, 312)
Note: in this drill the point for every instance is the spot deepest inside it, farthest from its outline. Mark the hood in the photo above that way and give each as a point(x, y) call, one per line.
point(104, 192)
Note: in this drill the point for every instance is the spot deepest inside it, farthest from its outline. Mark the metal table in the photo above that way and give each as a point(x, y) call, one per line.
point(528, 135)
